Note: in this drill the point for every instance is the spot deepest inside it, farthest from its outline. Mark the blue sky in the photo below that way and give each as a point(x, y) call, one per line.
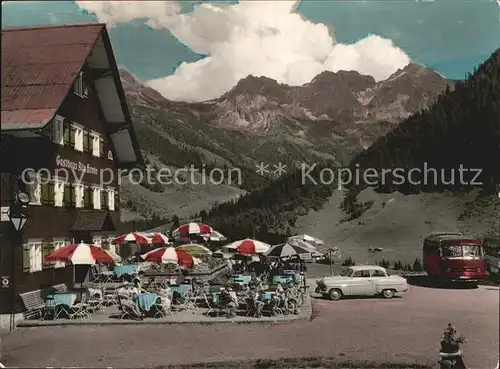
point(450, 36)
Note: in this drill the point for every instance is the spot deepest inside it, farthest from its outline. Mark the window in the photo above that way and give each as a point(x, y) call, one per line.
point(86, 141)
point(67, 133)
point(116, 205)
point(101, 147)
point(377, 273)
point(105, 243)
point(47, 248)
point(47, 189)
point(69, 198)
point(361, 274)
point(58, 193)
point(80, 87)
point(77, 133)
point(34, 190)
point(104, 199)
point(97, 241)
point(111, 199)
point(96, 144)
point(96, 197)
point(87, 198)
point(78, 195)
point(32, 256)
point(58, 126)
point(58, 243)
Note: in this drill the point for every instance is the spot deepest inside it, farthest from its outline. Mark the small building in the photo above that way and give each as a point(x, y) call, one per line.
point(66, 133)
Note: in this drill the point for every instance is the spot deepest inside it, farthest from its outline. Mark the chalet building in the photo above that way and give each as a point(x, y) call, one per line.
point(63, 107)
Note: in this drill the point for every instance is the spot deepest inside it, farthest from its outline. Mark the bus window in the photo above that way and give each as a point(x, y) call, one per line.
point(472, 250)
point(452, 251)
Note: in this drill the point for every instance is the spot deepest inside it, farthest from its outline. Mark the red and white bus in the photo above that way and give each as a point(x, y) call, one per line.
point(454, 257)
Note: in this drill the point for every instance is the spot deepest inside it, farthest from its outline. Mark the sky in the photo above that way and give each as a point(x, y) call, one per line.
point(198, 50)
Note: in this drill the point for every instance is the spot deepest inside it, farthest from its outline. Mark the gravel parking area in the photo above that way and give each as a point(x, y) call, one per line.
point(403, 329)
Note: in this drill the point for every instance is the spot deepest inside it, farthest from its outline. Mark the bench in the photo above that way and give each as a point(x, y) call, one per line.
point(34, 302)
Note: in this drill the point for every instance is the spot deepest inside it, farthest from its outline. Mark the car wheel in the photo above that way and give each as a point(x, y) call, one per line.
point(388, 294)
point(334, 294)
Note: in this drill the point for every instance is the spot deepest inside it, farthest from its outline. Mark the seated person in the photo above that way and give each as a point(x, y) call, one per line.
point(229, 298)
point(181, 278)
point(255, 302)
point(132, 309)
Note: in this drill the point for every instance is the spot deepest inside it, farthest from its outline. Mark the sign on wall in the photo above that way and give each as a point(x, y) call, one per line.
point(76, 166)
point(5, 282)
point(5, 213)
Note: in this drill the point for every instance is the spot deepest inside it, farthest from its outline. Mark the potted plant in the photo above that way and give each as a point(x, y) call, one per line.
point(450, 343)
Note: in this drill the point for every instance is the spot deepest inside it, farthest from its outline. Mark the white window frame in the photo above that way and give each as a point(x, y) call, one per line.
point(58, 243)
point(96, 143)
point(59, 192)
point(33, 249)
point(96, 197)
point(78, 136)
point(35, 189)
point(58, 127)
point(111, 199)
point(112, 248)
point(79, 189)
point(79, 86)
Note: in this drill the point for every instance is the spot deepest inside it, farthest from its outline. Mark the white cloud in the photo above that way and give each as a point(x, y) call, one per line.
point(261, 38)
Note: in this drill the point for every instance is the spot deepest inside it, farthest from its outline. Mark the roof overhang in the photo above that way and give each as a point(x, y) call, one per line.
point(103, 67)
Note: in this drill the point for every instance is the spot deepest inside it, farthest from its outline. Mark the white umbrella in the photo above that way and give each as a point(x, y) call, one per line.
point(213, 236)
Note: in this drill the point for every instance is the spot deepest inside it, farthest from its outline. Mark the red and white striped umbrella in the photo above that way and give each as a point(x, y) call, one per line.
point(137, 237)
point(81, 254)
point(158, 239)
point(192, 228)
point(248, 247)
point(168, 255)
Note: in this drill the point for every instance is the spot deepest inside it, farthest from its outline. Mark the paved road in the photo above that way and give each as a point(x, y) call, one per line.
point(402, 329)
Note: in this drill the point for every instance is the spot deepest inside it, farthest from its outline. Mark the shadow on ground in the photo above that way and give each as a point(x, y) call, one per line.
point(305, 363)
point(425, 281)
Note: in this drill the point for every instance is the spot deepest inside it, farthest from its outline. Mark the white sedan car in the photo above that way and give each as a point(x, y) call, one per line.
point(364, 280)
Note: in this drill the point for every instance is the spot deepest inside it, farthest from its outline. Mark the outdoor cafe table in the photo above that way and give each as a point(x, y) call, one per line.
point(145, 301)
point(65, 299)
point(283, 279)
point(125, 269)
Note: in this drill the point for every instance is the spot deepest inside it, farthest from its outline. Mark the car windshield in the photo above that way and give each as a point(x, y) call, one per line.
point(346, 273)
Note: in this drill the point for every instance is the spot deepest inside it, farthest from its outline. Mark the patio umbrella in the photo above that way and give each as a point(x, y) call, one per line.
point(301, 243)
point(195, 249)
point(213, 236)
point(285, 250)
point(158, 239)
point(248, 247)
point(167, 255)
point(192, 228)
point(81, 254)
point(134, 237)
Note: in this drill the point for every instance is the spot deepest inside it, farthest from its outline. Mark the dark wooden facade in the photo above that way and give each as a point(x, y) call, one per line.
point(45, 221)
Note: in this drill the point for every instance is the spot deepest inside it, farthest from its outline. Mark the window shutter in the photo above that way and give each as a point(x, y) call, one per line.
point(26, 258)
point(104, 199)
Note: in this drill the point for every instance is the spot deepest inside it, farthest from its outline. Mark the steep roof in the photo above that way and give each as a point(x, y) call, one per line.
point(39, 67)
